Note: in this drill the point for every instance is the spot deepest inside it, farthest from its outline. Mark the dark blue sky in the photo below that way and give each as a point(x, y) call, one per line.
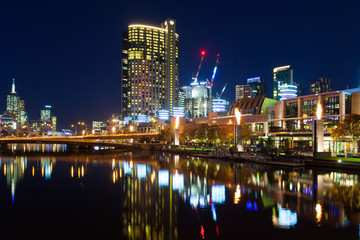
point(68, 53)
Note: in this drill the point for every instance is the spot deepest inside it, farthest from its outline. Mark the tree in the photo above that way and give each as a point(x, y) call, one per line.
point(166, 134)
point(226, 134)
point(349, 127)
point(187, 135)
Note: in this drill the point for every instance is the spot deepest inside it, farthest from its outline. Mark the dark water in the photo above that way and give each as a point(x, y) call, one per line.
point(162, 196)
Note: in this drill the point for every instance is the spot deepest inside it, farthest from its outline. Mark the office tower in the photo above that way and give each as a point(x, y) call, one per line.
point(258, 86)
point(48, 118)
point(282, 76)
point(149, 69)
point(320, 85)
point(45, 113)
point(243, 91)
point(15, 107)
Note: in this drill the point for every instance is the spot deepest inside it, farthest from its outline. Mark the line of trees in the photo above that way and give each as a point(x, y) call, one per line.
point(204, 133)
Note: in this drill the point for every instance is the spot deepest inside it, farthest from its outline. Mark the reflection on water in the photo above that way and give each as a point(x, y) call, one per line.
point(162, 196)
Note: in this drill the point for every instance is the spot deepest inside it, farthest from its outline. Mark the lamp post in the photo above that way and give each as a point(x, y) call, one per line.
point(238, 130)
point(74, 126)
point(176, 132)
point(318, 131)
point(84, 124)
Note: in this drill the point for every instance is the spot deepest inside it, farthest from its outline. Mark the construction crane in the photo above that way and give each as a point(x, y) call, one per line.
point(201, 60)
point(211, 83)
point(222, 91)
point(215, 68)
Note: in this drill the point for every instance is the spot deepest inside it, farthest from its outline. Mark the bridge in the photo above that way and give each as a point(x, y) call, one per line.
point(87, 141)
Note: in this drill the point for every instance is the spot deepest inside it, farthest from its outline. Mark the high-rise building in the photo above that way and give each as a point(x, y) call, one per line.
point(258, 86)
point(282, 75)
point(48, 118)
point(15, 107)
point(45, 113)
point(150, 69)
point(243, 91)
point(320, 85)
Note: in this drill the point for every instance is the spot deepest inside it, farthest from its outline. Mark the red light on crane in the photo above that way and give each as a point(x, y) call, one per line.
point(218, 55)
point(203, 53)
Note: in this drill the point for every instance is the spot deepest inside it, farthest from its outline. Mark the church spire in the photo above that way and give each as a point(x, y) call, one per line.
point(13, 86)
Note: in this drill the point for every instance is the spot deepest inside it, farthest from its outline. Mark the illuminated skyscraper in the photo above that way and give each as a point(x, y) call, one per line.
point(149, 69)
point(282, 75)
point(15, 107)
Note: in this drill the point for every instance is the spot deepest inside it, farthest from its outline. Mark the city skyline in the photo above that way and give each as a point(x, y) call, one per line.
point(68, 54)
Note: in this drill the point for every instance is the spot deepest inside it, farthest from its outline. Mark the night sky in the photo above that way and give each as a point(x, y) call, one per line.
point(68, 53)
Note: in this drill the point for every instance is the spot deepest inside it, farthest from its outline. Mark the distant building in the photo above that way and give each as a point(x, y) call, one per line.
point(48, 118)
point(258, 86)
point(184, 92)
point(150, 73)
point(15, 107)
point(243, 91)
point(282, 75)
point(320, 85)
point(197, 104)
point(45, 113)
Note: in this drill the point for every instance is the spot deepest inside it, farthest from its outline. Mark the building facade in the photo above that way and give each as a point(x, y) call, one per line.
point(150, 69)
point(243, 91)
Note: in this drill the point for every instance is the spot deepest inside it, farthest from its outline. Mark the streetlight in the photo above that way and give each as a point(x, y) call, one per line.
point(74, 126)
point(83, 124)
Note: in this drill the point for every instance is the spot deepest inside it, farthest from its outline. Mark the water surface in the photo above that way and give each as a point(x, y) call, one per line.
point(149, 195)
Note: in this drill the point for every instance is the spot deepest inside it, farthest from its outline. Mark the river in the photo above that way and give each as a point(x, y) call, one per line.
point(48, 193)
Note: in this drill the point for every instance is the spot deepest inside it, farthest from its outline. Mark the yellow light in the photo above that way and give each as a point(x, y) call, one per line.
point(113, 129)
point(4, 169)
point(177, 123)
point(83, 132)
point(33, 171)
point(238, 116)
point(318, 210)
point(72, 171)
point(237, 194)
point(131, 128)
point(93, 131)
point(319, 111)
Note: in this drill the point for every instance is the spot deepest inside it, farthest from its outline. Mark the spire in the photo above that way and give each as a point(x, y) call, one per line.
point(13, 86)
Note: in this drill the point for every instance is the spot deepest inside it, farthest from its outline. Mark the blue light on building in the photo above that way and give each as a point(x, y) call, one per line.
point(164, 115)
point(178, 112)
point(287, 91)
